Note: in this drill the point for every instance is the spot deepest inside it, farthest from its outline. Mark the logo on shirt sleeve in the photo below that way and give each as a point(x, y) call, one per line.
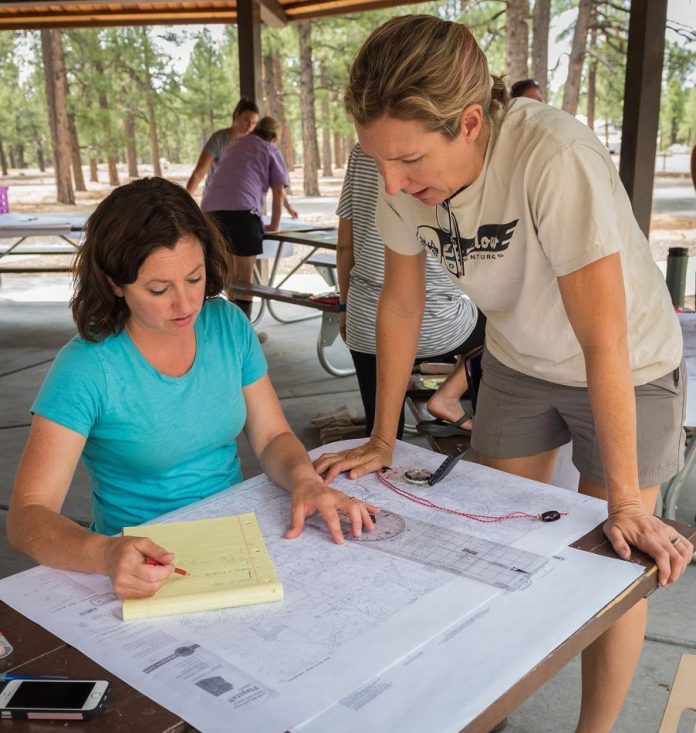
point(453, 250)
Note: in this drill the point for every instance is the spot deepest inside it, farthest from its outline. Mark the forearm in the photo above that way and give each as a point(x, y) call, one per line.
point(397, 343)
point(52, 539)
point(614, 410)
point(285, 461)
point(345, 258)
point(276, 210)
point(193, 182)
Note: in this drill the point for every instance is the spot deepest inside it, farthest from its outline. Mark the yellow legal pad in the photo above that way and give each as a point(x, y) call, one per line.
point(227, 562)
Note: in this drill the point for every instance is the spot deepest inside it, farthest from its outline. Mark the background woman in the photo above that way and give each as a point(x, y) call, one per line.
point(236, 195)
point(152, 395)
point(244, 119)
point(451, 323)
point(521, 203)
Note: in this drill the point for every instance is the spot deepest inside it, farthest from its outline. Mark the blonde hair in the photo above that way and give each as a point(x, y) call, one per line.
point(419, 67)
point(268, 129)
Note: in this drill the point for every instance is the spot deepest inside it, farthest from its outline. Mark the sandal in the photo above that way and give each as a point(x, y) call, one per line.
point(444, 428)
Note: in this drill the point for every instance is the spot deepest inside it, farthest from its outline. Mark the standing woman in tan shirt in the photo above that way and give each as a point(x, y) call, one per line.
point(523, 206)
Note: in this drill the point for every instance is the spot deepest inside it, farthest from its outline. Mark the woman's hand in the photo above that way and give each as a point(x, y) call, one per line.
point(367, 458)
point(313, 495)
point(126, 563)
point(630, 525)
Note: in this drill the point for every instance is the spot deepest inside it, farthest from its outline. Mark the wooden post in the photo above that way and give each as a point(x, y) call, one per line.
point(249, 37)
point(641, 111)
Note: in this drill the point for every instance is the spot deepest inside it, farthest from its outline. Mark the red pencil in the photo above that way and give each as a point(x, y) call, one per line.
point(152, 561)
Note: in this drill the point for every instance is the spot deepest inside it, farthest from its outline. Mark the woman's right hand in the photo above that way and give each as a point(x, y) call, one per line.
point(131, 575)
point(357, 462)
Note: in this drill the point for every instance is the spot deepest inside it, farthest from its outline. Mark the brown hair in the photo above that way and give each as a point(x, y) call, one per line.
point(245, 105)
point(419, 67)
point(128, 225)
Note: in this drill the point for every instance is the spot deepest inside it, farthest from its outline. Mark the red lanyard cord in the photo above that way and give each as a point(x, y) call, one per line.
point(549, 516)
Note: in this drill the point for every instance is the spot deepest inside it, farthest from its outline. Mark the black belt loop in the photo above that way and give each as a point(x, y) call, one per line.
point(675, 373)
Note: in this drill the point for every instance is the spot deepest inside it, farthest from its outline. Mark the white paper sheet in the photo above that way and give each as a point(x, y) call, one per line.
point(348, 614)
point(465, 669)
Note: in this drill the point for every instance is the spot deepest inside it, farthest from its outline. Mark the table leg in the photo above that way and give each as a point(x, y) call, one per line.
point(671, 491)
point(327, 335)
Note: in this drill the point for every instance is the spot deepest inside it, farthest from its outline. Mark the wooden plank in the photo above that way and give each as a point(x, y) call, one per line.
point(279, 294)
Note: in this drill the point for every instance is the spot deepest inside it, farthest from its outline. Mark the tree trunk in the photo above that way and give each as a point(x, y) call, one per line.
point(56, 100)
point(516, 39)
point(75, 157)
point(111, 158)
point(273, 90)
point(93, 170)
point(131, 150)
point(112, 166)
point(338, 150)
point(540, 44)
point(40, 159)
point(571, 90)
point(310, 157)
point(21, 162)
point(3, 159)
point(325, 128)
point(152, 124)
point(592, 72)
point(12, 158)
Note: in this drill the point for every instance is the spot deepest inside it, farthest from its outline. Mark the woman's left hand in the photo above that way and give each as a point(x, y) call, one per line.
point(633, 526)
point(314, 495)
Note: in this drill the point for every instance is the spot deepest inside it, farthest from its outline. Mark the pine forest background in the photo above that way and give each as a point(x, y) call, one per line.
point(118, 99)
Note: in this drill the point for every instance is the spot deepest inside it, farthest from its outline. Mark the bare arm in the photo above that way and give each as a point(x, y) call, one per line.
point(345, 259)
point(399, 317)
point(205, 162)
point(289, 207)
point(285, 461)
point(36, 527)
point(278, 194)
point(595, 303)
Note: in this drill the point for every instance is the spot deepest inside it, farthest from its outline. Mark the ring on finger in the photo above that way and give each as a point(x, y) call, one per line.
point(674, 542)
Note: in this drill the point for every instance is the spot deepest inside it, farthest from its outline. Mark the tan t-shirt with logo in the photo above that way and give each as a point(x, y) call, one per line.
point(547, 202)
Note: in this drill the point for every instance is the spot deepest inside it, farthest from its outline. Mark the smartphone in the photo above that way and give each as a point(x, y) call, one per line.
point(53, 699)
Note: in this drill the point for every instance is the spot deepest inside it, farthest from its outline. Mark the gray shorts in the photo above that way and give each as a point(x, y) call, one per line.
point(518, 415)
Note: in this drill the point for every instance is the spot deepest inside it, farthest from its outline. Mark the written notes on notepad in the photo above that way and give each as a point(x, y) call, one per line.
point(227, 564)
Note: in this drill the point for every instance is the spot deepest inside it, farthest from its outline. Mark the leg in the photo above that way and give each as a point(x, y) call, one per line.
point(537, 468)
point(608, 663)
point(242, 272)
point(445, 403)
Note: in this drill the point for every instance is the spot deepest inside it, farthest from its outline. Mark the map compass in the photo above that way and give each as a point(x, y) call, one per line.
point(388, 525)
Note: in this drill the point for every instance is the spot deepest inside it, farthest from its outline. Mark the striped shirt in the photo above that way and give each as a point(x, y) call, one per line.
point(448, 319)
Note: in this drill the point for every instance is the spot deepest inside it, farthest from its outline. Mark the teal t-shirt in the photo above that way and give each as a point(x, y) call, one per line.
point(155, 443)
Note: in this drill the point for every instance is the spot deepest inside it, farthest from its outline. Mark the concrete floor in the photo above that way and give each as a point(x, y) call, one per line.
point(31, 332)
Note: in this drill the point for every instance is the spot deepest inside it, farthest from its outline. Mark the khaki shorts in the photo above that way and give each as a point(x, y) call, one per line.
point(518, 415)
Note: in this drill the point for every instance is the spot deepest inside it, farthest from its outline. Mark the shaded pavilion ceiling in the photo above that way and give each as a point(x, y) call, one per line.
point(36, 14)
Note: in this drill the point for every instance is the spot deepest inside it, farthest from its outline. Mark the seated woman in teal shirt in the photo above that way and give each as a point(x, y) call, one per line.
point(152, 394)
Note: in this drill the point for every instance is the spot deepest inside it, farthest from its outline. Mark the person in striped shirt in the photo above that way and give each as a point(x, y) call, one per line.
point(452, 324)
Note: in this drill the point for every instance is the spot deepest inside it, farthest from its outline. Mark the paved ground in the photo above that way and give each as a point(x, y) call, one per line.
point(32, 330)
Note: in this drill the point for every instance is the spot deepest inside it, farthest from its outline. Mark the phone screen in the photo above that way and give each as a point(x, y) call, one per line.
point(56, 695)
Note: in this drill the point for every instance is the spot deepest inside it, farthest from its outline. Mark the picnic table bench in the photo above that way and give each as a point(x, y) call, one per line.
point(329, 318)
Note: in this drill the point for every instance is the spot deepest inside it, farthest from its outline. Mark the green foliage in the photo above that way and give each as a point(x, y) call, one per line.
point(677, 106)
point(192, 76)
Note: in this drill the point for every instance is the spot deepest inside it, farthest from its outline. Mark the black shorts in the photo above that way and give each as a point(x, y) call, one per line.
point(241, 230)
